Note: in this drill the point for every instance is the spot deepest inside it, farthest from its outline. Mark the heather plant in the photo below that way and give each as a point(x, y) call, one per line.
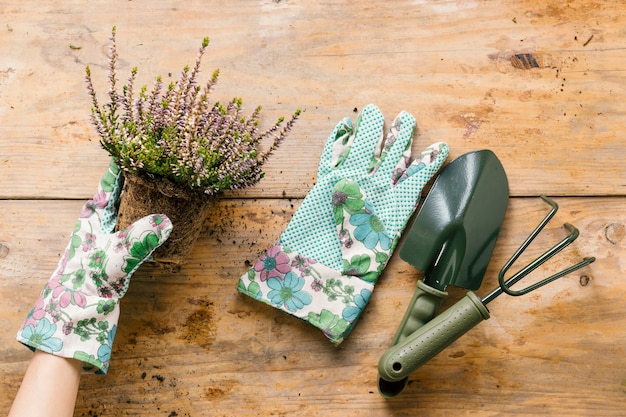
point(175, 132)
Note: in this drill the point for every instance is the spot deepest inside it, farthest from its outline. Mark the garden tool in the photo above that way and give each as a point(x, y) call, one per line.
point(454, 233)
point(433, 337)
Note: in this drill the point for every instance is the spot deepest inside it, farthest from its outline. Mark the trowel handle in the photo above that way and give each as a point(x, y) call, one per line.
point(426, 342)
point(422, 308)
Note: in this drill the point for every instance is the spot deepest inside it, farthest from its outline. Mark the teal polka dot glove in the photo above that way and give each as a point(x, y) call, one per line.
point(325, 265)
point(77, 312)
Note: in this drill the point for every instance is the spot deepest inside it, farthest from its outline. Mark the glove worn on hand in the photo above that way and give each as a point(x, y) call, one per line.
point(77, 312)
point(324, 267)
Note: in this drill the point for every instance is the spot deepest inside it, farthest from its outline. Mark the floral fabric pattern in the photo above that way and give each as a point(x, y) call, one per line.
point(76, 314)
point(325, 265)
point(309, 291)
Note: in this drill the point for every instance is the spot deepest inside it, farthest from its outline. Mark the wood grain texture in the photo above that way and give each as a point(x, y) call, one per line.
point(446, 62)
point(188, 344)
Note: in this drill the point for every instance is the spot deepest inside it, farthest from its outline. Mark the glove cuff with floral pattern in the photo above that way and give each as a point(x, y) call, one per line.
point(308, 290)
point(76, 315)
point(86, 336)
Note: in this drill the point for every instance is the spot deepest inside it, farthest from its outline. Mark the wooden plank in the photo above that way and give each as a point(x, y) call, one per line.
point(555, 124)
point(189, 344)
point(536, 83)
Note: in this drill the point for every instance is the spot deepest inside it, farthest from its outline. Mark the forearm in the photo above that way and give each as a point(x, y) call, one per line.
point(49, 387)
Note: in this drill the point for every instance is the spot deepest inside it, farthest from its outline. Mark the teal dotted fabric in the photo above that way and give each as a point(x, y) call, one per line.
point(361, 153)
point(328, 259)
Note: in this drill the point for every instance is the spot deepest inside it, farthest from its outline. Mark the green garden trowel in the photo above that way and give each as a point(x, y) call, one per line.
point(451, 241)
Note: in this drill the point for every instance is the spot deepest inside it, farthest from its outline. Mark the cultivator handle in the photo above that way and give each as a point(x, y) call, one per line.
point(427, 341)
point(422, 308)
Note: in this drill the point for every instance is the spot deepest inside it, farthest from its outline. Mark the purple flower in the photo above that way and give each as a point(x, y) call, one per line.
point(89, 242)
point(303, 264)
point(67, 328)
point(177, 133)
point(160, 222)
point(316, 285)
point(274, 263)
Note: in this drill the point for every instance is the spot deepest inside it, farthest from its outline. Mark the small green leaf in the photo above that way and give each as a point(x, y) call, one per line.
point(75, 242)
point(254, 289)
point(145, 247)
point(110, 178)
point(107, 182)
point(358, 265)
point(87, 360)
point(381, 257)
point(105, 307)
point(329, 322)
point(79, 279)
point(371, 276)
point(131, 265)
point(140, 250)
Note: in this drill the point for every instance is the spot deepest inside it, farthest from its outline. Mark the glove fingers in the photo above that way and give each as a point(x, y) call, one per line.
point(425, 165)
point(397, 148)
point(139, 240)
point(343, 142)
point(104, 203)
point(410, 185)
point(336, 148)
point(368, 137)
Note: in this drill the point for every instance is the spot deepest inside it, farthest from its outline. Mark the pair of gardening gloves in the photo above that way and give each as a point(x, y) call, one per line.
point(322, 270)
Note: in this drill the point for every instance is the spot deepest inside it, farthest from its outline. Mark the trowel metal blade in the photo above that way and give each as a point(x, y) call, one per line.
point(453, 235)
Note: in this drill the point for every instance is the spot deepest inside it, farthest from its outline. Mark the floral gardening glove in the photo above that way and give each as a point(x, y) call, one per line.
point(77, 312)
point(324, 267)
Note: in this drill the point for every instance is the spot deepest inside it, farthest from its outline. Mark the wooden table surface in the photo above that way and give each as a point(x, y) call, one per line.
point(542, 84)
